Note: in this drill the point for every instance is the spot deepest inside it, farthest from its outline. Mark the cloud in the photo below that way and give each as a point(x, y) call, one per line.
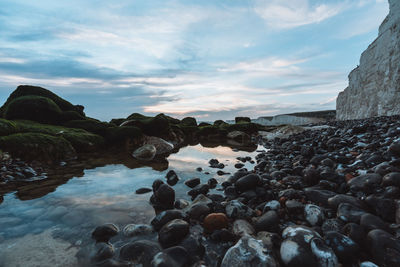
point(291, 14)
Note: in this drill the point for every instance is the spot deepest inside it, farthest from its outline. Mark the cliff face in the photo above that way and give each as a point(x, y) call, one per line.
point(374, 86)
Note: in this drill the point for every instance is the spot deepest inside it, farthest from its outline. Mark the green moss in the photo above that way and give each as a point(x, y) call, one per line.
point(242, 119)
point(7, 127)
point(117, 135)
point(37, 146)
point(214, 131)
point(202, 124)
point(137, 116)
point(219, 123)
point(153, 126)
point(117, 122)
point(189, 121)
point(249, 128)
point(90, 125)
point(35, 108)
point(27, 90)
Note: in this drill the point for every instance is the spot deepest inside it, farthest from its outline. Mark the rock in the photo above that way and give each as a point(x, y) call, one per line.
point(271, 241)
point(194, 247)
point(140, 252)
point(242, 227)
point(239, 165)
point(349, 213)
point(164, 197)
point(237, 210)
point(247, 182)
point(267, 222)
point(319, 196)
point(172, 233)
point(294, 207)
point(171, 257)
point(162, 147)
point(192, 182)
point(248, 252)
point(198, 211)
point(215, 221)
point(394, 148)
point(313, 214)
point(392, 178)
point(272, 205)
point(345, 248)
point(143, 190)
point(330, 225)
point(166, 216)
point(201, 189)
point(384, 248)
point(383, 207)
point(172, 178)
point(311, 176)
point(104, 232)
point(376, 80)
point(371, 222)
point(132, 230)
point(325, 255)
point(335, 201)
point(214, 163)
point(145, 153)
point(239, 136)
point(354, 232)
point(364, 182)
point(103, 251)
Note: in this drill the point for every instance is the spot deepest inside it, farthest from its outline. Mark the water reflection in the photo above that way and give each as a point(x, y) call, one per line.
point(101, 191)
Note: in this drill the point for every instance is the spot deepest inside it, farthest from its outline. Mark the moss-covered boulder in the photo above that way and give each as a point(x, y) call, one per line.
point(120, 134)
point(189, 121)
point(219, 123)
point(35, 108)
point(28, 90)
point(90, 125)
point(202, 124)
point(152, 126)
point(211, 133)
point(248, 128)
point(37, 146)
point(242, 119)
point(7, 127)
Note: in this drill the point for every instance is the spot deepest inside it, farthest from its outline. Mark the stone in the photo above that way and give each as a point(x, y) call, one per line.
point(171, 257)
point(166, 216)
point(172, 178)
point(324, 254)
point(247, 182)
point(172, 233)
point(104, 232)
point(272, 205)
point(162, 147)
point(165, 197)
point(239, 136)
point(349, 213)
point(313, 214)
point(198, 211)
point(145, 153)
point(193, 246)
point(215, 221)
point(345, 248)
point(102, 252)
point(335, 201)
point(371, 222)
point(237, 210)
point(143, 190)
point(364, 182)
point(140, 252)
point(267, 222)
point(248, 252)
point(201, 189)
point(392, 178)
point(242, 227)
point(384, 248)
point(132, 230)
point(192, 182)
point(374, 84)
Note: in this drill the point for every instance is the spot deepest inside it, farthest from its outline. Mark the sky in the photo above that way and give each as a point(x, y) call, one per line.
point(211, 59)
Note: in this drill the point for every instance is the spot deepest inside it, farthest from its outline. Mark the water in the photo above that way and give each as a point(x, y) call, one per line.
point(46, 223)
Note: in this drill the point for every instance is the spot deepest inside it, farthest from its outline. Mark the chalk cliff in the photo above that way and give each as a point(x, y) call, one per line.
point(374, 86)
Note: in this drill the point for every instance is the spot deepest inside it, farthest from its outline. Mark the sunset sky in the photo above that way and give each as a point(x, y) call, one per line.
point(209, 59)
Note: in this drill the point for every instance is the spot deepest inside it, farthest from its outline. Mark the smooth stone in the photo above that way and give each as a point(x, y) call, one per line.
point(140, 252)
point(272, 205)
point(239, 165)
point(143, 190)
point(199, 189)
point(270, 240)
point(313, 214)
point(383, 207)
point(311, 176)
point(172, 178)
point(324, 254)
point(319, 196)
point(237, 210)
point(104, 232)
point(162, 147)
point(267, 222)
point(165, 197)
point(371, 222)
point(198, 211)
point(248, 252)
point(171, 257)
point(215, 221)
point(355, 232)
point(181, 204)
point(349, 213)
point(192, 182)
point(193, 246)
point(132, 230)
point(102, 252)
point(172, 233)
point(146, 152)
point(294, 207)
point(365, 182)
point(242, 227)
point(345, 248)
point(368, 264)
point(247, 182)
point(166, 216)
point(332, 225)
point(335, 201)
point(392, 178)
point(384, 248)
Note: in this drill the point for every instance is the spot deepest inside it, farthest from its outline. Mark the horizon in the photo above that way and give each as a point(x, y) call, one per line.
point(206, 59)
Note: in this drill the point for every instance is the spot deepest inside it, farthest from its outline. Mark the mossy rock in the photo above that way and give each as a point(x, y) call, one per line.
point(152, 126)
point(35, 108)
point(219, 123)
point(80, 139)
point(7, 127)
point(28, 90)
point(212, 132)
point(90, 125)
point(202, 124)
point(137, 116)
point(189, 130)
point(37, 146)
point(170, 119)
point(120, 134)
point(189, 121)
point(249, 128)
point(242, 119)
point(117, 122)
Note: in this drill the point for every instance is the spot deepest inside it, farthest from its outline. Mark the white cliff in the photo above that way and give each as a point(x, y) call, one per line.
point(374, 86)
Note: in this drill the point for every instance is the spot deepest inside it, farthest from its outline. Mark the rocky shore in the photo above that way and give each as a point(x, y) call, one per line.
point(325, 197)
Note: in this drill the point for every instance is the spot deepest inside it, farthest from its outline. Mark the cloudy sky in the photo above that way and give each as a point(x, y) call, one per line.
point(204, 58)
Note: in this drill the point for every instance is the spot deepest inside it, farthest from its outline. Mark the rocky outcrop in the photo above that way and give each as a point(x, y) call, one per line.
point(300, 118)
point(374, 86)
